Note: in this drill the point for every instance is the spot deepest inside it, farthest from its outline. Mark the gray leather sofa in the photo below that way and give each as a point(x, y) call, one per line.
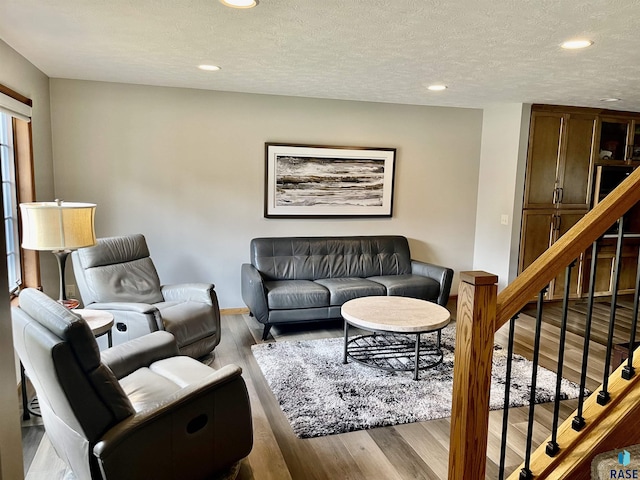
point(137, 411)
point(301, 279)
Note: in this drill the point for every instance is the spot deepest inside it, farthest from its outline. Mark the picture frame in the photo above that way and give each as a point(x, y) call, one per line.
point(319, 181)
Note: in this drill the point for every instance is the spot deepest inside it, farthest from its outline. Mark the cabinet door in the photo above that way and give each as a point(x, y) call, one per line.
point(536, 235)
point(605, 266)
point(540, 229)
point(574, 182)
point(561, 224)
point(542, 159)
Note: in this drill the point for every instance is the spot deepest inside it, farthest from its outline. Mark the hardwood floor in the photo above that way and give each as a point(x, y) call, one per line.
point(576, 314)
point(412, 451)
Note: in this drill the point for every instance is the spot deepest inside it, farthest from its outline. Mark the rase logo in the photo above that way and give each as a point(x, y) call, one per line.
point(624, 459)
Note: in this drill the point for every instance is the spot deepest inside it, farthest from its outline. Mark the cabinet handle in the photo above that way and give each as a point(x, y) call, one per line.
point(556, 220)
point(560, 194)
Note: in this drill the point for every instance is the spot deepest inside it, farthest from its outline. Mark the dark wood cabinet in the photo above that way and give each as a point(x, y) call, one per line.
point(558, 185)
point(569, 152)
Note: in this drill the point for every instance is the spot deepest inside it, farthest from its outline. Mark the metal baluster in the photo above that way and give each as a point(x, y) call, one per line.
point(578, 421)
point(507, 395)
point(525, 473)
point(552, 445)
point(603, 395)
point(628, 372)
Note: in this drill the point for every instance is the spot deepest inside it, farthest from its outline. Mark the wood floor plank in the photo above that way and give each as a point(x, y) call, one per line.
point(368, 456)
point(266, 459)
point(423, 439)
point(408, 463)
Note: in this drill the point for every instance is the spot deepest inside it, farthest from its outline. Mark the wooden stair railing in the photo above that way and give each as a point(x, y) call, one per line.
point(481, 313)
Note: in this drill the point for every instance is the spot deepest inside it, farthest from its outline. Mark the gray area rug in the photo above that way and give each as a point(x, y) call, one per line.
point(320, 395)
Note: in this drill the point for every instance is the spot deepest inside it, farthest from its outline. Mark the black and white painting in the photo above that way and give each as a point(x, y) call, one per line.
point(317, 181)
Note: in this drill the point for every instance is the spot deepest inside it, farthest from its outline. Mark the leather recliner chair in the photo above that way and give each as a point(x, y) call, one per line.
point(139, 410)
point(118, 275)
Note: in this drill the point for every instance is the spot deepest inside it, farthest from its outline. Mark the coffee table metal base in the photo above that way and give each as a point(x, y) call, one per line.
point(392, 351)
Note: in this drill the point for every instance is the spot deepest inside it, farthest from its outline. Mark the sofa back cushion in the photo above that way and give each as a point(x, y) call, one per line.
point(311, 258)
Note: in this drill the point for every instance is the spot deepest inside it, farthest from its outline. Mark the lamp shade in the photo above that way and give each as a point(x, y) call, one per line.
point(57, 225)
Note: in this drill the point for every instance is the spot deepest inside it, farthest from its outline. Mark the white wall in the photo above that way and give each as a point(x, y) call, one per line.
point(186, 168)
point(21, 76)
point(505, 130)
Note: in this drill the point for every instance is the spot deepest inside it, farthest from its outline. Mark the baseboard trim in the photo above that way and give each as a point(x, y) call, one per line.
point(234, 311)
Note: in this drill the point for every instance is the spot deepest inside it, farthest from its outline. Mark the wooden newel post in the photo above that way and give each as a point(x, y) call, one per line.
point(475, 331)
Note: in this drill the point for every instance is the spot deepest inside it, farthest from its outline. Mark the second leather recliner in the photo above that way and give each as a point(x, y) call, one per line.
point(118, 275)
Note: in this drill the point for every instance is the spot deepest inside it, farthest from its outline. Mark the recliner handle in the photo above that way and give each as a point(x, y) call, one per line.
point(198, 423)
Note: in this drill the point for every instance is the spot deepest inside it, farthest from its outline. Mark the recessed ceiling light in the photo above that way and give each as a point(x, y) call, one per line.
point(437, 88)
point(239, 3)
point(611, 99)
point(209, 68)
point(576, 44)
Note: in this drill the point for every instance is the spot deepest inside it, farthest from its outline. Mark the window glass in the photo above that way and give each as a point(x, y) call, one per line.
point(9, 197)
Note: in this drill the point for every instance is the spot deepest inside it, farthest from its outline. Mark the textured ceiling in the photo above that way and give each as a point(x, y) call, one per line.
point(486, 51)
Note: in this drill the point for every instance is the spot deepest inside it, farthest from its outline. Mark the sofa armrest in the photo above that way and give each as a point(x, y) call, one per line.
point(143, 308)
point(442, 275)
point(142, 317)
point(209, 420)
point(189, 292)
point(139, 352)
point(253, 292)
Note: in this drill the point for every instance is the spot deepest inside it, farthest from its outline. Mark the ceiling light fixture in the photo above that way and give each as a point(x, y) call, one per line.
point(437, 88)
point(209, 68)
point(610, 99)
point(576, 44)
point(239, 3)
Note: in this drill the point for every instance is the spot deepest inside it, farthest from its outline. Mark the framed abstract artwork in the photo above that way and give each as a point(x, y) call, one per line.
point(307, 181)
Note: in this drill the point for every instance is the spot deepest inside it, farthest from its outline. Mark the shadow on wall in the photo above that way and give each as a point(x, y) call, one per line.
point(421, 251)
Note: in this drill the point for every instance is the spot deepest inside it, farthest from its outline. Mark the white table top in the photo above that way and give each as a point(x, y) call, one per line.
point(100, 322)
point(395, 314)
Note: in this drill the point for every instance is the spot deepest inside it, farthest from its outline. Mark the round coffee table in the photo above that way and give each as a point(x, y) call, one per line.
point(393, 322)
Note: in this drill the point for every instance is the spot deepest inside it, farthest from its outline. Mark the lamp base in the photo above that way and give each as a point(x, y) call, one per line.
point(61, 256)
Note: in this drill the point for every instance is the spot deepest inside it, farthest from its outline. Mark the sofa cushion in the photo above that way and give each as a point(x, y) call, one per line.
point(313, 258)
point(285, 294)
point(146, 389)
point(343, 289)
point(414, 286)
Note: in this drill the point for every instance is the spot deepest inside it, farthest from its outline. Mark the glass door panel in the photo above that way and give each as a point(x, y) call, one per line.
point(635, 152)
point(613, 140)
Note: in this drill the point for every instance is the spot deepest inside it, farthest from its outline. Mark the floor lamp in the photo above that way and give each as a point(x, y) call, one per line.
point(58, 227)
